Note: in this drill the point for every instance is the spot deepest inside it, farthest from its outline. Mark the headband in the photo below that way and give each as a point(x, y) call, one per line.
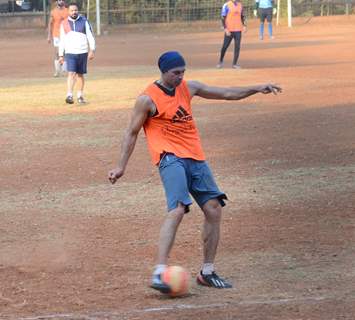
point(170, 60)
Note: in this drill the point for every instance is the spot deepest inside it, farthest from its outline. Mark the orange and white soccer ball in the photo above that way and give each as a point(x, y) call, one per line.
point(178, 279)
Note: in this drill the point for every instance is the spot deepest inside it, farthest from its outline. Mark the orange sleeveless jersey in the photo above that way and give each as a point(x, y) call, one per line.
point(58, 15)
point(234, 17)
point(173, 128)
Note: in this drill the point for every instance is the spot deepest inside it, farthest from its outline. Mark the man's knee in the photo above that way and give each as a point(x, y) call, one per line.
point(177, 213)
point(212, 210)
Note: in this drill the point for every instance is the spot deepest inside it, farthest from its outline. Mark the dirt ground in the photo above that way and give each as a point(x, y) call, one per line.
point(74, 247)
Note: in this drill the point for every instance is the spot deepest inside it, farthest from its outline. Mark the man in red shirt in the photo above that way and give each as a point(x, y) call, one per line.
point(164, 111)
point(58, 14)
point(234, 22)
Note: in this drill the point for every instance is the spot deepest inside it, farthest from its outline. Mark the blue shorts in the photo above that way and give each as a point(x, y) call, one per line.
point(182, 177)
point(77, 62)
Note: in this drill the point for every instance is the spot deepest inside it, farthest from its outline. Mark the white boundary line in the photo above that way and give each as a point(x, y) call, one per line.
point(99, 315)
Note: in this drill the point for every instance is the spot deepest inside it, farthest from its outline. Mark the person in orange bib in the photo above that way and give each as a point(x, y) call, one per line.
point(164, 111)
point(234, 22)
point(58, 14)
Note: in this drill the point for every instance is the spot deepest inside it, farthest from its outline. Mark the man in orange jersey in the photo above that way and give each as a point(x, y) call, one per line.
point(164, 111)
point(234, 22)
point(58, 14)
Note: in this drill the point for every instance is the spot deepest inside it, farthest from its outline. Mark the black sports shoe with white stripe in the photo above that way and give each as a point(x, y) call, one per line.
point(69, 100)
point(159, 285)
point(212, 280)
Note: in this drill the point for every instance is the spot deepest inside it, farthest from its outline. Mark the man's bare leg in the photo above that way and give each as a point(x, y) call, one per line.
point(71, 79)
point(211, 229)
point(80, 84)
point(210, 236)
point(166, 241)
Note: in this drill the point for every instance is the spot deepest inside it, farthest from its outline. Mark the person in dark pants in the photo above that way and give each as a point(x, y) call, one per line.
point(234, 22)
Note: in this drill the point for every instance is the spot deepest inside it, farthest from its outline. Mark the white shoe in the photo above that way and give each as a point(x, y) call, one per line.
point(81, 100)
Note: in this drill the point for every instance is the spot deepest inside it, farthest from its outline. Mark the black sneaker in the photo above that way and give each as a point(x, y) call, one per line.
point(159, 285)
point(69, 100)
point(81, 100)
point(212, 280)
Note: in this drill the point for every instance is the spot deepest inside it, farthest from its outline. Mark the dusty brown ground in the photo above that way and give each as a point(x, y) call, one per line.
point(74, 247)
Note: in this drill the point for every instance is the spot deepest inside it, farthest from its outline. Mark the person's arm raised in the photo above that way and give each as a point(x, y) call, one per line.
point(230, 93)
point(141, 110)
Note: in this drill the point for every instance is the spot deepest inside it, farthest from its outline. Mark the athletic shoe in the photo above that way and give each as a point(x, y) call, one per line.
point(56, 75)
point(81, 100)
point(212, 280)
point(219, 65)
point(159, 285)
point(69, 100)
point(236, 66)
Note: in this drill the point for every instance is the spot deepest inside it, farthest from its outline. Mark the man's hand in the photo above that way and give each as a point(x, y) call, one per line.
point(270, 88)
point(245, 29)
point(61, 60)
point(91, 55)
point(49, 39)
point(227, 32)
point(115, 174)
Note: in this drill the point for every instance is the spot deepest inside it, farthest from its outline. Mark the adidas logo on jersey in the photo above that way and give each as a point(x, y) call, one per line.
point(181, 115)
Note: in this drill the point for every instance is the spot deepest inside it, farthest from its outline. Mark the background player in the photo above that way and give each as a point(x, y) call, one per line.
point(265, 9)
point(78, 43)
point(58, 14)
point(234, 22)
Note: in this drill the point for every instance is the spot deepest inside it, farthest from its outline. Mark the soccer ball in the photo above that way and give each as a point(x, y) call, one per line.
point(178, 279)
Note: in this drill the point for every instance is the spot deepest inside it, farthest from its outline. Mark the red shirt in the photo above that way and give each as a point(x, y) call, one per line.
point(172, 129)
point(234, 16)
point(58, 15)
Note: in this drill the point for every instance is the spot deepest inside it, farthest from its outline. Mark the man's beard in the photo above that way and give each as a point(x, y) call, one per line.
point(74, 16)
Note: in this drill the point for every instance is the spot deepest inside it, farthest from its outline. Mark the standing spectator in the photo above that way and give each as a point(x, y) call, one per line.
point(58, 14)
point(234, 22)
point(266, 10)
point(78, 43)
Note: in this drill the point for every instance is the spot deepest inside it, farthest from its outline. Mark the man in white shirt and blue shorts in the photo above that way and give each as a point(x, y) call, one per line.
point(78, 43)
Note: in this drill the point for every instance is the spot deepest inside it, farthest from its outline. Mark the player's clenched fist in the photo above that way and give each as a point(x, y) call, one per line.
point(270, 88)
point(115, 174)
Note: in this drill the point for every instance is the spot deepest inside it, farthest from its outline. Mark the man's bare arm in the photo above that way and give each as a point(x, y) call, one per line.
point(141, 110)
point(230, 93)
point(50, 25)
